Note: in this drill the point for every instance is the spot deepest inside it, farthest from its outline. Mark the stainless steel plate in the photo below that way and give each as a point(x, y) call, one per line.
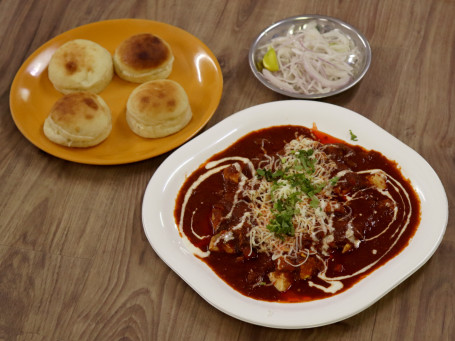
point(360, 61)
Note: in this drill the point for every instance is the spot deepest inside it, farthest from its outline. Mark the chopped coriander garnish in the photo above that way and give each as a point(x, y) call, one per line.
point(299, 178)
point(314, 202)
point(353, 136)
point(269, 176)
point(283, 210)
point(334, 180)
point(260, 172)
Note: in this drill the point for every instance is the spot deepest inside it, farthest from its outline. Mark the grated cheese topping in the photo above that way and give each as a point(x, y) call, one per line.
point(309, 220)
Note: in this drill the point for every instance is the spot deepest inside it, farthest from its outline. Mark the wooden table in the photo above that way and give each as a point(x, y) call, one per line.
point(74, 261)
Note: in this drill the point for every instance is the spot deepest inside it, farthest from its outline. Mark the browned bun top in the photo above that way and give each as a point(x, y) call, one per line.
point(159, 97)
point(158, 108)
point(75, 107)
point(78, 119)
point(76, 60)
point(80, 65)
point(144, 51)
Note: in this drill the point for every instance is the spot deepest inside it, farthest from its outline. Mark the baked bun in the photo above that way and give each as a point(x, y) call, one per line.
point(158, 108)
point(80, 65)
point(80, 119)
point(142, 58)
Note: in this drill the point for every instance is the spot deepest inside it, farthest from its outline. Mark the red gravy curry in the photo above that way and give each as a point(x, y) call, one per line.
point(290, 214)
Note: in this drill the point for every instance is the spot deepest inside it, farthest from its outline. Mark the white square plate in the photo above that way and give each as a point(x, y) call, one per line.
point(163, 234)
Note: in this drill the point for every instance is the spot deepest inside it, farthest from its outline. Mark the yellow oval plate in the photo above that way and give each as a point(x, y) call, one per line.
point(195, 68)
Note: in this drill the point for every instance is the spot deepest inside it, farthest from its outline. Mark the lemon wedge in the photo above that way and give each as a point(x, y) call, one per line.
point(270, 61)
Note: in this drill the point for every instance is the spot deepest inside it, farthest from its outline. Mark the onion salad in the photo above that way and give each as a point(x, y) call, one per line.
point(309, 61)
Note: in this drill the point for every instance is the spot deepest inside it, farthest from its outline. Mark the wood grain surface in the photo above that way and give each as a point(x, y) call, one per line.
point(74, 261)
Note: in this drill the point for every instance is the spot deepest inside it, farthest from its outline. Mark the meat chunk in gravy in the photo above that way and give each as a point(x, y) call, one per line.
point(281, 280)
point(310, 268)
point(220, 242)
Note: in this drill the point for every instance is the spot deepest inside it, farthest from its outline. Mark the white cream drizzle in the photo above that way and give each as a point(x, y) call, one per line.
point(211, 170)
point(212, 164)
point(333, 287)
point(329, 280)
point(239, 190)
point(245, 216)
point(188, 194)
point(192, 230)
